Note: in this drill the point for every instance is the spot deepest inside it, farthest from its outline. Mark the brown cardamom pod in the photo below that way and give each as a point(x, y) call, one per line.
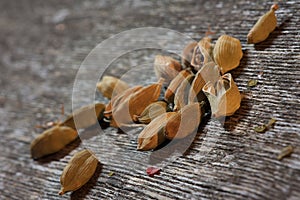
point(209, 72)
point(184, 122)
point(135, 104)
point(202, 53)
point(118, 100)
point(263, 27)
point(175, 83)
point(187, 54)
point(110, 85)
point(166, 67)
point(85, 116)
point(52, 140)
point(151, 112)
point(181, 95)
point(223, 96)
point(227, 53)
point(78, 172)
point(153, 133)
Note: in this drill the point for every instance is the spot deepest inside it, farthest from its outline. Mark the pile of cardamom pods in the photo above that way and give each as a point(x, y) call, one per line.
point(199, 84)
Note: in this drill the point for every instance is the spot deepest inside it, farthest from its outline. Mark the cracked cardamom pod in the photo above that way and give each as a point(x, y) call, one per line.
point(151, 112)
point(187, 54)
point(223, 96)
point(135, 104)
point(85, 116)
point(110, 85)
point(227, 53)
point(153, 133)
point(78, 172)
point(166, 67)
point(263, 27)
point(202, 53)
point(52, 141)
point(181, 95)
point(175, 83)
point(184, 122)
point(209, 72)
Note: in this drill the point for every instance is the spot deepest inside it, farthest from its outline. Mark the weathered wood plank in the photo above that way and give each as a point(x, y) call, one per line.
point(40, 59)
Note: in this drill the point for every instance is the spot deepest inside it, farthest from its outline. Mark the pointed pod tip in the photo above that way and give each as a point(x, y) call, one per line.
point(61, 192)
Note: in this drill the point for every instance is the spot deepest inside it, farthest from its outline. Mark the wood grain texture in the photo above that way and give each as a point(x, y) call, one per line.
point(41, 53)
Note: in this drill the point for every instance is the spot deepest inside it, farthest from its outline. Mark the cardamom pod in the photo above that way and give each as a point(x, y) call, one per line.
point(202, 53)
point(118, 99)
point(187, 54)
point(223, 96)
point(181, 95)
point(78, 172)
point(285, 152)
point(184, 122)
point(166, 67)
point(175, 83)
point(52, 140)
point(110, 85)
point(85, 116)
point(227, 53)
point(153, 134)
point(135, 104)
point(263, 27)
point(209, 72)
point(151, 112)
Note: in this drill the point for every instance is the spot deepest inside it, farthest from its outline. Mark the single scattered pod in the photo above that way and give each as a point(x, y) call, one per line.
point(223, 96)
point(151, 112)
point(52, 141)
point(263, 27)
point(153, 134)
point(78, 172)
point(135, 104)
point(110, 85)
point(175, 83)
point(202, 53)
point(85, 116)
point(227, 53)
point(187, 54)
point(181, 95)
point(184, 122)
point(209, 72)
point(166, 67)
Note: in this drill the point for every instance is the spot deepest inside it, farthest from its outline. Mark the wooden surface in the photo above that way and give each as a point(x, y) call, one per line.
point(42, 46)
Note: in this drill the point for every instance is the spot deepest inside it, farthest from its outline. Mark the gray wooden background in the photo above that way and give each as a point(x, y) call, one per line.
point(42, 44)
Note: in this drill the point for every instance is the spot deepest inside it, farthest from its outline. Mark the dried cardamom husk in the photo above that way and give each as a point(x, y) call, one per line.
point(223, 96)
point(227, 53)
point(78, 172)
point(166, 67)
point(182, 92)
point(151, 112)
point(153, 133)
point(287, 151)
point(184, 122)
point(175, 83)
point(135, 104)
point(85, 116)
point(118, 99)
point(187, 54)
point(263, 27)
point(209, 72)
point(52, 141)
point(202, 53)
point(110, 85)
